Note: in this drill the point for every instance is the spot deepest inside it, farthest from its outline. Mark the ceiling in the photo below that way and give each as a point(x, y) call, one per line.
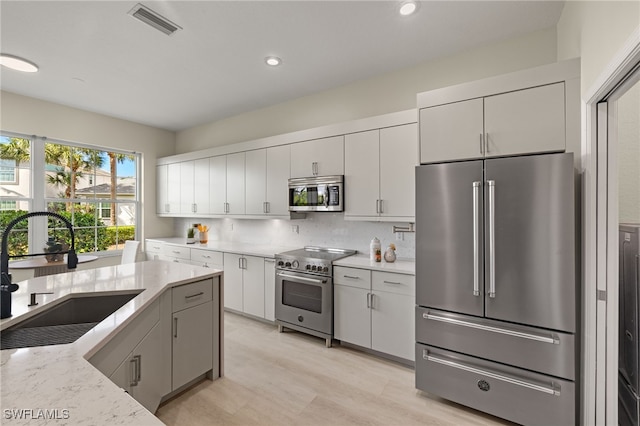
point(94, 56)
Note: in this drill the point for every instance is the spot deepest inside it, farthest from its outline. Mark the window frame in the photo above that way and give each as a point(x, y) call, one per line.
point(38, 200)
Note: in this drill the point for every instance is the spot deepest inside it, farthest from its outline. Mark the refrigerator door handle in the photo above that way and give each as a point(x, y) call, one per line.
point(512, 380)
point(530, 336)
point(492, 238)
point(481, 144)
point(476, 238)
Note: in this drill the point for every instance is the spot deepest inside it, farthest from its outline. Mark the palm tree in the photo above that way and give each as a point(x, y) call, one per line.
point(71, 162)
point(17, 149)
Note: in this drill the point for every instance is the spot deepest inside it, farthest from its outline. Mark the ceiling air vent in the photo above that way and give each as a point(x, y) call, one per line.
point(152, 18)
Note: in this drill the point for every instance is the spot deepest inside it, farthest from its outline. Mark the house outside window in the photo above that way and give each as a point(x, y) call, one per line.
point(96, 190)
point(8, 170)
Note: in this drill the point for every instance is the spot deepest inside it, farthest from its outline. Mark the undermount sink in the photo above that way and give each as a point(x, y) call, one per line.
point(63, 323)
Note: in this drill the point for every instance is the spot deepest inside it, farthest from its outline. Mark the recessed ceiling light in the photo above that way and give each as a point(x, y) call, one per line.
point(273, 61)
point(16, 63)
point(408, 8)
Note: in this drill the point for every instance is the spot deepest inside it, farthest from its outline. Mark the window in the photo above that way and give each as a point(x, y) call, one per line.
point(7, 170)
point(94, 189)
point(7, 205)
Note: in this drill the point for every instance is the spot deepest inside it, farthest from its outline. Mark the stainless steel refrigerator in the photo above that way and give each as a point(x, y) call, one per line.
point(628, 345)
point(496, 286)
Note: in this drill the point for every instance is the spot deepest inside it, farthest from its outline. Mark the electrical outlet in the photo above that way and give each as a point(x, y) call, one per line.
point(399, 236)
point(295, 229)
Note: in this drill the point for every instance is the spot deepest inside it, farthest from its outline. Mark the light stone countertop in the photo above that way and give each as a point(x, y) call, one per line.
point(261, 250)
point(59, 377)
point(400, 266)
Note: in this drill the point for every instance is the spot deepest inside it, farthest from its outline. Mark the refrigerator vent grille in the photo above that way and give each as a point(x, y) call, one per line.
point(153, 19)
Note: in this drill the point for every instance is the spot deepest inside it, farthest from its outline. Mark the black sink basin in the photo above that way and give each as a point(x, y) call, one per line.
point(63, 323)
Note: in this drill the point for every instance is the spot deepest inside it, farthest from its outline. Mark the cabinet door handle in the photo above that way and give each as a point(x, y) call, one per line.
point(175, 327)
point(138, 359)
point(481, 144)
point(368, 300)
point(392, 282)
point(132, 372)
point(351, 277)
point(486, 143)
point(377, 206)
point(239, 263)
point(381, 206)
point(194, 295)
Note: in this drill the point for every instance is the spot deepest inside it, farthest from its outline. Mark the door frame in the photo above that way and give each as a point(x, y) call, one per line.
point(600, 238)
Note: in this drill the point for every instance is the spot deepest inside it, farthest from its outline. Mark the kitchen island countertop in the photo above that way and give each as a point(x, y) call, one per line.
point(56, 384)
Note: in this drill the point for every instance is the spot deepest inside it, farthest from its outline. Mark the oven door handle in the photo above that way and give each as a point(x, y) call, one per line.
point(293, 277)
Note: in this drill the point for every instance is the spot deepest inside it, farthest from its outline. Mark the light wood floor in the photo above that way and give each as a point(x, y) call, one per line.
point(290, 378)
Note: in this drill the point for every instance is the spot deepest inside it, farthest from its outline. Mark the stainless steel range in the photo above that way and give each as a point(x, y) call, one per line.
point(304, 290)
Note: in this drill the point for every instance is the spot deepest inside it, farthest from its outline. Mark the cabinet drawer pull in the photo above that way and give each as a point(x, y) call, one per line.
point(206, 256)
point(391, 282)
point(511, 380)
point(194, 295)
point(175, 251)
point(513, 333)
point(352, 277)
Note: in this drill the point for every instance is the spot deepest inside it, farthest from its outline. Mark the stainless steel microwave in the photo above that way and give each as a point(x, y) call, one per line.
point(316, 194)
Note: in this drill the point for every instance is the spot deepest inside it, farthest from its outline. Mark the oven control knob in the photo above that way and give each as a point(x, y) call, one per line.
point(308, 267)
point(280, 263)
point(287, 264)
point(314, 267)
point(325, 269)
point(295, 264)
point(300, 318)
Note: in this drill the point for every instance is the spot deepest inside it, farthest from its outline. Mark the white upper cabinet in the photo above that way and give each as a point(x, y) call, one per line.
point(256, 185)
point(523, 121)
point(187, 187)
point(362, 173)
point(278, 165)
point(201, 195)
point(379, 174)
point(235, 183)
point(318, 157)
point(218, 184)
point(267, 173)
point(451, 132)
point(162, 203)
point(173, 188)
point(398, 161)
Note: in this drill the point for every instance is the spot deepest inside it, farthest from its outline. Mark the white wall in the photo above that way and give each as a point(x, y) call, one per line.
point(320, 229)
point(31, 116)
point(595, 31)
point(391, 92)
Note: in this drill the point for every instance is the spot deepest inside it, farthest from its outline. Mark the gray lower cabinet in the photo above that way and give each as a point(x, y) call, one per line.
point(171, 343)
point(138, 373)
point(192, 346)
point(192, 332)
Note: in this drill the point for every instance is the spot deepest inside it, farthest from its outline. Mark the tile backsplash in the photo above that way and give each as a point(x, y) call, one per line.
point(319, 229)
